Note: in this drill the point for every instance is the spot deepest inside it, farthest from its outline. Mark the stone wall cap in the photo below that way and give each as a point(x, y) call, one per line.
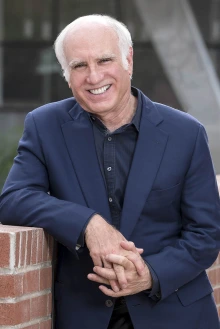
point(16, 229)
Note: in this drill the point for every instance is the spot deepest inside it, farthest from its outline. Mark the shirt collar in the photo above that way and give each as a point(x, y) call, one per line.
point(136, 118)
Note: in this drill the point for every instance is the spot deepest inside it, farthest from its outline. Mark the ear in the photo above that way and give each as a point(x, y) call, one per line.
point(130, 61)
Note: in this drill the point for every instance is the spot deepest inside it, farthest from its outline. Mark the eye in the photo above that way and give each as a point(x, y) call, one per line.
point(78, 66)
point(105, 60)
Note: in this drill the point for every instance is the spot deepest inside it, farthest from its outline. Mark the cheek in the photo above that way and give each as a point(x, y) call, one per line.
point(76, 81)
point(75, 88)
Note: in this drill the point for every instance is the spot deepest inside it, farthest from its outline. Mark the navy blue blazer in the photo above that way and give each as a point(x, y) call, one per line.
point(171, 209)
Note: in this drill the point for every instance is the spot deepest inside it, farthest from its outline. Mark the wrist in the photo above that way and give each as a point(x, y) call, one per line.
point(149, 279)
point(94, 224)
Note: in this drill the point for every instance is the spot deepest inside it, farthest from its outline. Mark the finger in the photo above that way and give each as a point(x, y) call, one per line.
point(120, 263)
point(138, 263)
point(130, 246)
point(108, 274)
point(105, 273)
point(111, 293)
point(106, 263)
point(140, 250)
point(121, 277)
point(118, 273)
point(114, 284)
point(125, 261)
point(97, 278)
point(97, 261)
point(134, 256)
point(120, 260)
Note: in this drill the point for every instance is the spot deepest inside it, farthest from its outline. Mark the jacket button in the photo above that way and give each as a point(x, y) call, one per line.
point(109, 303)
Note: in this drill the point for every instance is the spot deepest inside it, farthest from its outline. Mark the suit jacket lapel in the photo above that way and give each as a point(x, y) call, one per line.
point(146, 161)
point(78, 135)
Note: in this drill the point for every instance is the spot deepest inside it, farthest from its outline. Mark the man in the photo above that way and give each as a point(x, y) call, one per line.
point(127, 188)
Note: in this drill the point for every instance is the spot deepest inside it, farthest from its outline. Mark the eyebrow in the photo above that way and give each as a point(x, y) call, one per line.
point(75, 62)
point(107, 56)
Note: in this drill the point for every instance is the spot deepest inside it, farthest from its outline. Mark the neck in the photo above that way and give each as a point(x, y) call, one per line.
point(124, 116)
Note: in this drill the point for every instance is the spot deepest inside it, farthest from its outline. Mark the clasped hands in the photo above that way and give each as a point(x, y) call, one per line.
point(117, 262)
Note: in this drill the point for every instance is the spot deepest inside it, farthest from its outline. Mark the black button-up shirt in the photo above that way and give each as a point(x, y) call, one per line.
point(115, 152)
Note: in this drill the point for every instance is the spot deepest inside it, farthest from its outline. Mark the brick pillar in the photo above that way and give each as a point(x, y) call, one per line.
point(25, 278)
point(214, 272)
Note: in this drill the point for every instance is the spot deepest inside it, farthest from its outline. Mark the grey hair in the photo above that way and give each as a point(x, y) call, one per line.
point(124, 38)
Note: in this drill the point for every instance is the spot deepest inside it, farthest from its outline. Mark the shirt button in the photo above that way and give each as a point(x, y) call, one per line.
point(109, 168)
point(109, 303)
point(109, 139)
point(110, 199)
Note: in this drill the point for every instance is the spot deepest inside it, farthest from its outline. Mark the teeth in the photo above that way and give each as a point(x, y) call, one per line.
point(99, 90)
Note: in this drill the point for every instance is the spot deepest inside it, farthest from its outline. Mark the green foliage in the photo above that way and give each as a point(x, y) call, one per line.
point(8, 149)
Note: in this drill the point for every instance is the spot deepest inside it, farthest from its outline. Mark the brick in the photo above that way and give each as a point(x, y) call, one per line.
point(17, 248)
point(29, 247)
point(45, 278)
point(34, 247)
point(11, 286)
point(12, 314)
point(40, 246)
point(45, 247)
point(29, 242)
point(22, 249)
point(217, 295)
point(31, 281)
point(5, 250)
point(39, 307)
point(49, 304)
point(212, 274)
point(46, 324)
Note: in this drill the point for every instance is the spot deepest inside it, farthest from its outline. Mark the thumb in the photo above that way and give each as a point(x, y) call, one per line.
point(130, 246)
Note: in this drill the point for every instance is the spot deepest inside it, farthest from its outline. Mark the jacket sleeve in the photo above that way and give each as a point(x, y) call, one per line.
point(25, 199)
point(197, 246)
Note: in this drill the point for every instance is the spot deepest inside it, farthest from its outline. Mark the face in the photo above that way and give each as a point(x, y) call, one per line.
point(98, 80)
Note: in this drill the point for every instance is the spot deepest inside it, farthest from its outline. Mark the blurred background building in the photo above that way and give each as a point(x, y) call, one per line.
point(176, 58)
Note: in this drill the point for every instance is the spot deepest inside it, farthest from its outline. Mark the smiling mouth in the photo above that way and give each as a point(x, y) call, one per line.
point(99, 90)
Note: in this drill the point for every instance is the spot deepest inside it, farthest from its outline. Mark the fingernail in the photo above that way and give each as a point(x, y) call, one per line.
point(116, 289)
point(124, 286)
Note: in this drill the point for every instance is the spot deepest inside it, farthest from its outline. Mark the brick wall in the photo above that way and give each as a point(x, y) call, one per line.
point(25, 278)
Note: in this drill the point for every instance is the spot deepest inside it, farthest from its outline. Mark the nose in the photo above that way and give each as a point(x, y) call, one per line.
point(95, 75)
